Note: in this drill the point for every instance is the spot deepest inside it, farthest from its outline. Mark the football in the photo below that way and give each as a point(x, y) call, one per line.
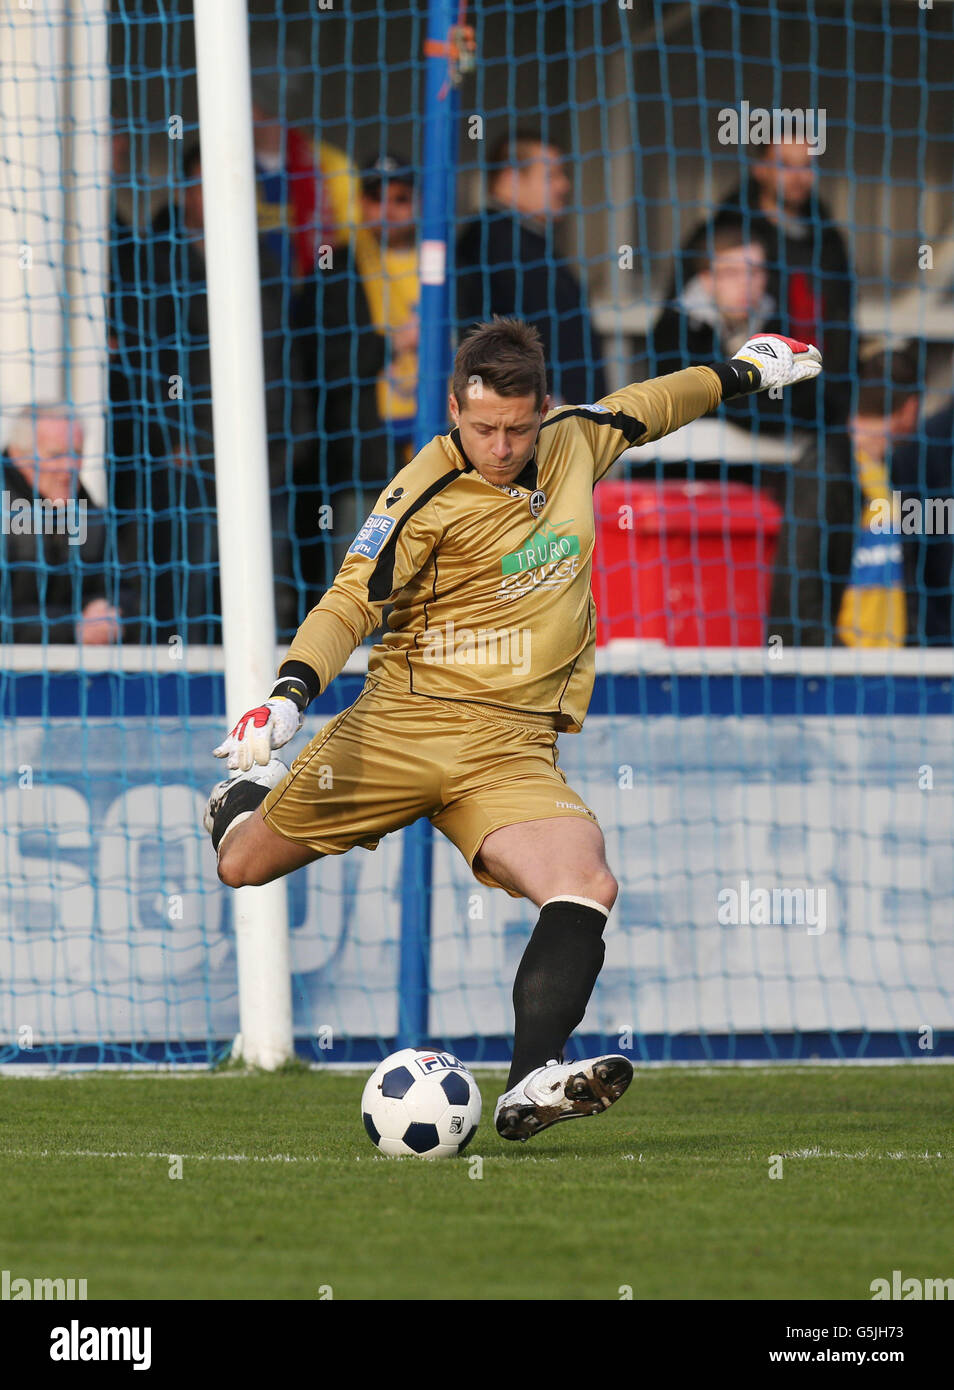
point(421, 1104)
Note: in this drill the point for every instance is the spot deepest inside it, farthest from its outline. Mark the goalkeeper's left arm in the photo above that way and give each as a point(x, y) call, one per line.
point(648, 410)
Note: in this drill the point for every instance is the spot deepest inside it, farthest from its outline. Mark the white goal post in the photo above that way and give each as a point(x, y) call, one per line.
point(242, 499)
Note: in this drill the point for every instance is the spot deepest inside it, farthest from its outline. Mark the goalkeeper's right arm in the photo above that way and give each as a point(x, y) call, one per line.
point(271, 725)
point(389, 550)
point(260, 730)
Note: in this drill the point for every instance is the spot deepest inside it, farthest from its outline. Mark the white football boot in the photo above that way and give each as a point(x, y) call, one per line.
point(268, 776)
point(561, 1091)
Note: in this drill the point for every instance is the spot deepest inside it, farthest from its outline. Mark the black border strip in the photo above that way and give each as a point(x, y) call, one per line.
point(381, 581)
point(629, 427)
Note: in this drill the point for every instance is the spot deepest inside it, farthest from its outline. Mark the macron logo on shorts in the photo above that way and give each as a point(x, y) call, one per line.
point(372, 536)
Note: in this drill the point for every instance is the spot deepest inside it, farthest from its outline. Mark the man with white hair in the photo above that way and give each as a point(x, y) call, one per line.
point(47, 593)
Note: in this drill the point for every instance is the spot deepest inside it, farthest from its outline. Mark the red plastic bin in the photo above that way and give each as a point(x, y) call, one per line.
point(682, 563)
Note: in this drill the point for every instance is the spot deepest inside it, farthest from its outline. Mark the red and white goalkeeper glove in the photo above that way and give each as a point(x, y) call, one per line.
point(771, 360)
point(260, 730)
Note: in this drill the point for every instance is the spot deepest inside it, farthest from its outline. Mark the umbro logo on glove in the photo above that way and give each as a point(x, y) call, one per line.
point(776, 361)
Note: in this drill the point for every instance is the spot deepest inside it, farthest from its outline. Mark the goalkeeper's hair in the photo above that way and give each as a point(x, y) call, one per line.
point(505, 356)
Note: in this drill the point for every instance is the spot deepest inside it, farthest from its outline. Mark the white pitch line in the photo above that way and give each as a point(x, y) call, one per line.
point(167, 1154)
point(862, 1153)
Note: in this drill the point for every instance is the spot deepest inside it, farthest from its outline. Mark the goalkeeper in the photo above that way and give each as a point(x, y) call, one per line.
point(483, 544)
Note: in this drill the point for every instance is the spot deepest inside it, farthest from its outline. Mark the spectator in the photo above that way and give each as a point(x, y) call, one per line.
point(810, 273)
point(350, 463)
point(307, 199)
point(365, 360)
point(53, 577)
point(386, 258)
point(724, 301)
point(873, 610)
point(308, 209)
point(122, 247)
point(190, 549)
point(923, 468)
point(508, 264)
point(818, 500)
point(307, 189)
point(135, 441)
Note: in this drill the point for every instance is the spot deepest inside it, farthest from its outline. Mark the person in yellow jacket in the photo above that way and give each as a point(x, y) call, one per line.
point(872, 612)
point(385, 250)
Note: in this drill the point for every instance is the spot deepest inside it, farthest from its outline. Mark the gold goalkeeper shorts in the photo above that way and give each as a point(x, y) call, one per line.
point(391, 758)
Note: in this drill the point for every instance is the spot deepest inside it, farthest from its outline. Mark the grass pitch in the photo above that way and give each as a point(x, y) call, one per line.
point(669, 1194)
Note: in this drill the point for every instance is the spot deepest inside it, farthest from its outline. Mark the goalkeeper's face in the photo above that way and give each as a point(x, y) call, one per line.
point(498, 433)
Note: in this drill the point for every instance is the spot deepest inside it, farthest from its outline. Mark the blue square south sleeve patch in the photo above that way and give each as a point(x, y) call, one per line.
point(372, 536)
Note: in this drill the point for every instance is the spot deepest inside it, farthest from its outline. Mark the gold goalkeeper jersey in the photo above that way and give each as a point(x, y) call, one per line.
point(490, 584)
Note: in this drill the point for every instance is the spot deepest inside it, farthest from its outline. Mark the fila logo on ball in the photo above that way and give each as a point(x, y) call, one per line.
point(438, 1061)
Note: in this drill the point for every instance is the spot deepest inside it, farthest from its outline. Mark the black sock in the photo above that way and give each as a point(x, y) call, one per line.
point(554, 982)
point(244, 796)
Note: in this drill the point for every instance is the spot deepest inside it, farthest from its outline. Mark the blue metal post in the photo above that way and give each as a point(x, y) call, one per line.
point(438, 199)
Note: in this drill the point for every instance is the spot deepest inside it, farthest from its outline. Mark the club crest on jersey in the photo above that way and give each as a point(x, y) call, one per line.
point(372, 536)
point(538, 500)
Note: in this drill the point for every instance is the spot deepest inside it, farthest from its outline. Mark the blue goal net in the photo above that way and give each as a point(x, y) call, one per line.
point(769, 748)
